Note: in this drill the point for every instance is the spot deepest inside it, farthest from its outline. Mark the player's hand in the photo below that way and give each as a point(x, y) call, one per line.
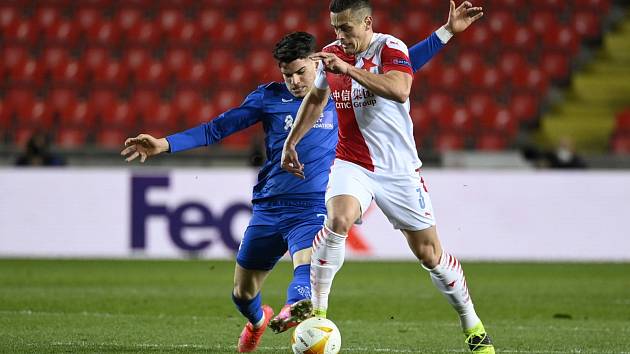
point(332, 63)
point(460, 18)
point(290, 162)
point(143, 146)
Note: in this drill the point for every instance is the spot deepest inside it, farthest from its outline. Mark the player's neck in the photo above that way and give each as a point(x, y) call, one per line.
point(365, 44)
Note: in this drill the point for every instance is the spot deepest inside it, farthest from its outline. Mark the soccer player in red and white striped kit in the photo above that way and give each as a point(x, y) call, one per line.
point(369, 76)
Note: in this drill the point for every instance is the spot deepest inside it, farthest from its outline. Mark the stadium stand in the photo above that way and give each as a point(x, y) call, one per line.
point(95, 71)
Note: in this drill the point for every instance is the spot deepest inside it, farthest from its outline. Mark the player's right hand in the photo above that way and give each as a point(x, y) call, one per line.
point(143, 145)
point(290, 162)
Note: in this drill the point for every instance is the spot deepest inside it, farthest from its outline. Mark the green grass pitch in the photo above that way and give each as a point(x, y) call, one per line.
point(52, 306)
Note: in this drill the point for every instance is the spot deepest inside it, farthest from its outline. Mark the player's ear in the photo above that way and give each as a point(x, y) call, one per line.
point(367, 21)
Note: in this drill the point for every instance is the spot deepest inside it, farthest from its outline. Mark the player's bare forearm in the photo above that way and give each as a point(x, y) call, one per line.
point(310, 110)
point(394, 85)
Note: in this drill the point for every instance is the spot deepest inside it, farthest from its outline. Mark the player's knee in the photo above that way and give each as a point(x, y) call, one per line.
point(427, 254)
point(243, 293)
point(340, 224)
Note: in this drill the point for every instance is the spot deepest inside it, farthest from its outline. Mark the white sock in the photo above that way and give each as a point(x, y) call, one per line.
point(448, 277)
point(329, 250)
point(261, 322)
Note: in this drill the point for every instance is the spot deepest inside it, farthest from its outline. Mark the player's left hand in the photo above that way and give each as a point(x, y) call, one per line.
point(290, 162)
point(332, 63)
point(463, 16)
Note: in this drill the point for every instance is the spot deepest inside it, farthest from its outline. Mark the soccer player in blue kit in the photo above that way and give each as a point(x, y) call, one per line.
point(287, 212)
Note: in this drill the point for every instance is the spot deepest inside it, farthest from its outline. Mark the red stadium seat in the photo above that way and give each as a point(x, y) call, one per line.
point(227, 99)
point(51, 58)
point(22, 135)
point(203, 113)
point(111, 138)
point(63, 32)
point(128, 17)
point(510, 5)
point(524, 106)
point(587, 25)
point(521, 38)
point(21, 31)
point(501, 21)
point(60, 98)
point(9, 15)
point(187, 34)
point(417, 22)
point(112, 73)
point(554, 5)
point(623, 122)
point(169, 19)
point(292, 20)
point(501, 122)
point(12, 55)
point(532, 79)
point(135, 58)
point(105, 32)
point(177, 58)
point(469, 61)
point(448, 141)
point(556, 65)
point(34, 114)
point(163, 116)
point(488, 78)
point(439, 104)
point(422, 122)
point(210, 20)
point(153, 74)
point(251, 20)
point(491, 142)
point(186, 101)
point(229, 34)
point(196, 74)
point(481, 105)
point(620, 144)
point(510, 61)
point(144, 33)
point(262, 63)
point(121, 114)
point(46, 16)
point(241, 140)
point(102, 99)
point(477, 37)
point(236, 73)
point(71, 73)
point(269, 35)
point(71, 138)
point(27, 72)
point(447, 79)
point(542, 21)
point(564, 39)
point(458, 119)
point(78, 114)
point(18, 97)
point(143, 99)
point(599, 6)
point(6, 113)
point(88, 19)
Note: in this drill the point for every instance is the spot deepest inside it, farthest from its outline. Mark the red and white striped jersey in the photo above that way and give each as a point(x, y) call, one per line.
point(374, 132)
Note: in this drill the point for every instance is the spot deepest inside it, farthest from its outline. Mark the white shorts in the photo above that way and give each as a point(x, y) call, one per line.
point(404, 199)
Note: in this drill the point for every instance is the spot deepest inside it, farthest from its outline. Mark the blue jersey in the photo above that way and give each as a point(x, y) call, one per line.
point(276, 108)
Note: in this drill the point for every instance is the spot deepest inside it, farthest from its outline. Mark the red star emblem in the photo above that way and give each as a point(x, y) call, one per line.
point(368, 64)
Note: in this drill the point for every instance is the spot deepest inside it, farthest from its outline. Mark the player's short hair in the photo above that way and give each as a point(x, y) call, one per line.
point(337, 6)
point(296, 45)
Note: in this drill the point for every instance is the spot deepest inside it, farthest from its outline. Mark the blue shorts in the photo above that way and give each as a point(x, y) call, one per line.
point(276, 227)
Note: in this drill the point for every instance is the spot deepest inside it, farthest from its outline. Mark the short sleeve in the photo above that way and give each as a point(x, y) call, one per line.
point(320, 77)
point(395, 56)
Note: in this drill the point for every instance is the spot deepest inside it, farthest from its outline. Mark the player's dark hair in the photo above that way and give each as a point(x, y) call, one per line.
point(337, 6)
point(296, 45)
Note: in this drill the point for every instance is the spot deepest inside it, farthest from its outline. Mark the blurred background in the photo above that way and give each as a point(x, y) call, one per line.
point(542, 83)
point(533, 86)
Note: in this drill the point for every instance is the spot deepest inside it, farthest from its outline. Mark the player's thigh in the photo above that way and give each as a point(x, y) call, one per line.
point(348, 180)
point(261, 248)
point(299, 236)
point(405, 200)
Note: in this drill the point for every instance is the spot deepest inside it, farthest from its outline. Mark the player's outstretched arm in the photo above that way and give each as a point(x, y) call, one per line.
point(310, 110)
point(143, 146)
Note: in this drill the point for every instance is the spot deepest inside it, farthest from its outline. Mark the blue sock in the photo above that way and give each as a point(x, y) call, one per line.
point(300, 286)
point(251, 309)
